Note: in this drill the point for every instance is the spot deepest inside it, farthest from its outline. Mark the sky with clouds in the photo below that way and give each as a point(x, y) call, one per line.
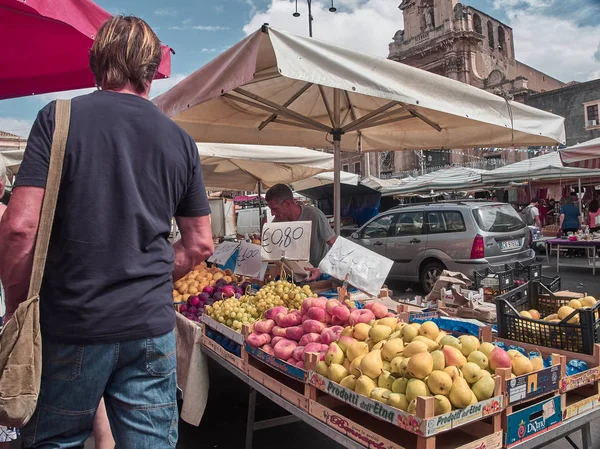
point(559, 37)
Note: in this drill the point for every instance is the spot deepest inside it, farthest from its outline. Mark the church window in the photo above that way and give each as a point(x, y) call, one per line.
point(477, 24)
point(490, 28)
point(501, 39)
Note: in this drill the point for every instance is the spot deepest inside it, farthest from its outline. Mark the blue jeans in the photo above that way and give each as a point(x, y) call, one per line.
point(136, 378)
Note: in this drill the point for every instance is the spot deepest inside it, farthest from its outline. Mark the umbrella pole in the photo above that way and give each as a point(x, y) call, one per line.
point(260, 216)
point(579, 194)
point(337, 162)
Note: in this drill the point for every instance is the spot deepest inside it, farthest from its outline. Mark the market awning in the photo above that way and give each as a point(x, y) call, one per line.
point(12, 157)
point(325, 179)
point(380, 184)
point(546, 167)
point(447, 179)
point(46, 43)
point(583, 155)
point(241, 167)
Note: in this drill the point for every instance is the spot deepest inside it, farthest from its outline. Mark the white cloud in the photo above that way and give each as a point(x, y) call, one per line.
point(219, 9)
point(556, 46)
point(366, 26)
point(20, 127)
point(161, 86)
point(252, 7)
point(209, 28)
point(169, 12)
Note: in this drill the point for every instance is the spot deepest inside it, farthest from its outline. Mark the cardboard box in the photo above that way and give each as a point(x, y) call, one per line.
point(533, 421)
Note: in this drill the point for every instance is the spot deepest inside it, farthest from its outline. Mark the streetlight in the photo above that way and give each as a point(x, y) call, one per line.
point(310, 16)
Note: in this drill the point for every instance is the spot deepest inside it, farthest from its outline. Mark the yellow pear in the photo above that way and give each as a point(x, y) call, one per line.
point(441, 405)
point(364, 385)
point(483, 388)
point(379, 345)
point(453, 372)
point(379, 332)
point(471, 372)
point(439, 362)
point(336, 372)
point(414, 348)
point(450, 340)
point(399, 327)
point(537, 363)
point(441, 335)
point(370, 343)
point(398, 400)
point(453, 356)
point(412, 407)
point(460, 395)
point(420, 365)
point(473, 398)
point(356, 349)
point(396, 363)
point(430, 330)
point(349, 382)
point(521, 365)
point(347, 332)
point(431, 344)
point(399, 385)
point(409, 332)
point(371, 364)
point(469, 343)
point(439, 382)
point(514, 353)
point(322, 368)
point(392, 349)
point(361, 331)
point(416, 387)
point(395, 334)
point(486, 348)
point(346, 364)
point(484, 373)
point(355, 365)
point(390, 321)
point(387, 366)
point(380, 394)
point(479, 358)
point(404, 367)
point(385, 380)
point(334, 354)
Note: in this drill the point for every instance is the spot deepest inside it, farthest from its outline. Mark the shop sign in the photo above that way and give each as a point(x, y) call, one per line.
point(286, 240)
point(223, 252)
point(249, 262)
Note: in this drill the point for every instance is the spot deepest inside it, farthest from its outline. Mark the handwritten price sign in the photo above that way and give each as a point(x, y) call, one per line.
point(249, 262)
point(366, 269)
point(287, 239)
point(223, 252)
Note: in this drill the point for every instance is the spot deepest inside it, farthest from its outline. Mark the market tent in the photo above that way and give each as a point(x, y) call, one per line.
point(325, 179)
point(277, 88)
point(583, 155)
point(46, 44)
point(455, 178)
point(380, 184)
point(241, 167)
point(12, 157)
point(547, 167)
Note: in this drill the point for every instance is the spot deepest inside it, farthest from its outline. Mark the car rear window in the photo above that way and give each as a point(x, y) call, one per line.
point(498, 218)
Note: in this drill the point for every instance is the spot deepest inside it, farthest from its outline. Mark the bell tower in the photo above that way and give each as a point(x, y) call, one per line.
point(425, 16)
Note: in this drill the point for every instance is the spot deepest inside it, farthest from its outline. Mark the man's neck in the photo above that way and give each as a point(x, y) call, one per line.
point(297, 211)
point(128, 89)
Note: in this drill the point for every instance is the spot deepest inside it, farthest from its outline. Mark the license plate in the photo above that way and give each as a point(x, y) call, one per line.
point(510, 244)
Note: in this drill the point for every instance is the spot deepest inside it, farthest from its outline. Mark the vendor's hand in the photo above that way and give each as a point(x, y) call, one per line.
point(314, 274)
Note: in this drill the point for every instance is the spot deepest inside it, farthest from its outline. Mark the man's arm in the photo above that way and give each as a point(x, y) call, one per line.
point(18, 230)
point(195, 245)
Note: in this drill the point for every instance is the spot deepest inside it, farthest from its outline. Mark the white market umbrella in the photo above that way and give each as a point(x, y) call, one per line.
point(325, 179)
point(380, 184)
point(583, 155)
point(243, 167)
point(13, 158)
point(446, 179)
point(277, 88)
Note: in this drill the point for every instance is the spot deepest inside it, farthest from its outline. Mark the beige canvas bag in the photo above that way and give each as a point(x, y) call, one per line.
point(21, 340)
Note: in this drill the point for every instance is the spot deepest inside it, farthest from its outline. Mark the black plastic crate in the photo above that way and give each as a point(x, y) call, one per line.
point(525, 273)
point(579, 337)
point(495, 281)
point(551, 283)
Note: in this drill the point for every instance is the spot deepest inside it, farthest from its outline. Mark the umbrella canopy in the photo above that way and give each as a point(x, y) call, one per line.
point(548, 166)
point(583, 155)
point(241, 167)
point(12, 157)
point(380, 184)
point(46, 44)
point(274, 82)
point(455, 178)
point(325, 179)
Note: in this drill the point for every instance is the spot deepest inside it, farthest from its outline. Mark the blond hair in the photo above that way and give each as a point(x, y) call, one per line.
point(125, 50)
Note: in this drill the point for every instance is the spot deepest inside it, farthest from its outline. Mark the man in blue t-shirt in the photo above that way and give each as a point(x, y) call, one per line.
point(570, 217)
point(106, 316)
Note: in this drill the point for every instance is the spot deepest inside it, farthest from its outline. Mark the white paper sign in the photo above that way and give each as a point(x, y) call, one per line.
point(290, 239)
point(366, 269)
point(223, 252)
point(248, 261)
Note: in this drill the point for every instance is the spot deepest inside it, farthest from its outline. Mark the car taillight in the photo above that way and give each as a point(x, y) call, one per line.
point(478, 249)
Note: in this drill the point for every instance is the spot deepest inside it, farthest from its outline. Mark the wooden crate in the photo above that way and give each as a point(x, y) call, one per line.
point(222, 329)
point(219, 350)
point(373, 433)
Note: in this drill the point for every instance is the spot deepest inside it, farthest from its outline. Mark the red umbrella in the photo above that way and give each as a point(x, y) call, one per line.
point(45, 46)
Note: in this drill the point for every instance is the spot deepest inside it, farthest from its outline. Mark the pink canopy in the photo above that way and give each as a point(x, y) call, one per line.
point(45, 46)
point(583, 155)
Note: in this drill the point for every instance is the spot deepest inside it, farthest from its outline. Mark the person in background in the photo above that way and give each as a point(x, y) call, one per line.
point(594, 216)
point(531, 213)
point(106, 307)
point(570, 217)
point(283, 207)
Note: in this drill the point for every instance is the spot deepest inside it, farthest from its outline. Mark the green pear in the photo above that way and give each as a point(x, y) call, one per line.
point(355, 366)
point(469, 343)
point(431, 344)
point(479, 358)
point(399, 401)
point(409, 332)
point(379, 332)
point(395, 364)
point(460, 395)
point(486, 348)
point(441, 405)
point(387, 366)
point(412, 407)
point(322, 368)
point(334, 354)
point(415, 388)
point(449, 340)
point(349, 382)
point(371, 364)
point(379, 345)
point(380, 394)
point(399, 385)
point(439, 362)
point(484, 388)
point(392, 349)
point(385, 380)
point(365, 385)
point(395, 334)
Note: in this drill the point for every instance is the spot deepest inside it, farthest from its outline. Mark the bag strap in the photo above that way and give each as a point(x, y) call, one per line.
point(62, 118)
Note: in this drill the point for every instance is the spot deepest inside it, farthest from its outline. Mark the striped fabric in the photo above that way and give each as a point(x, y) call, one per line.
point(583, 155)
